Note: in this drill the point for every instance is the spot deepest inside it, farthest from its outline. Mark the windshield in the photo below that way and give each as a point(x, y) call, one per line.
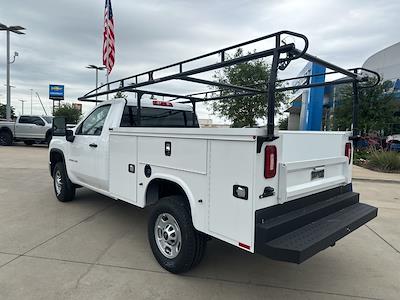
point(48, 119)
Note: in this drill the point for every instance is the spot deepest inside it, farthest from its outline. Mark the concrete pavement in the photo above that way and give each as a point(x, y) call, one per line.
point(96, 248)
point(360, 173)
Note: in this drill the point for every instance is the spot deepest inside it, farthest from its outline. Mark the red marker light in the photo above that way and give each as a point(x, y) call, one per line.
point(244, 246)
point(162, 103)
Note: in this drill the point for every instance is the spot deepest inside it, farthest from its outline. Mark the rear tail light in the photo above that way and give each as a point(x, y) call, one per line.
point(347, 151)
point(162, 103)
point(270, 162)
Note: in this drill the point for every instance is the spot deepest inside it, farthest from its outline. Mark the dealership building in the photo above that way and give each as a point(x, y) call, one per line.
point(312, 109)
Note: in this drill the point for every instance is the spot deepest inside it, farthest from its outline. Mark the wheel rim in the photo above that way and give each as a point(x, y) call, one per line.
point(58, 182)
point(168, 235)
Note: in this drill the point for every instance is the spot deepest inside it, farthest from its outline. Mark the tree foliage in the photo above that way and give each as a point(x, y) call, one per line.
point(3, 111)
point(71, 114)
point(245, 111)
point(376, 109)
point(284, 123)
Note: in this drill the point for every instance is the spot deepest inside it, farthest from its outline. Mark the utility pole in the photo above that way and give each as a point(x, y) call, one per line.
point(17, 30)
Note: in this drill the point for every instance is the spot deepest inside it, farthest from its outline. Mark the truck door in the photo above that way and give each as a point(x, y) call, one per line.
point(24, 127)
point(90, 148)
point(38, 129)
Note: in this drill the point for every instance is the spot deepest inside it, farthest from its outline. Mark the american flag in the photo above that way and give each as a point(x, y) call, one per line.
point(108, 41)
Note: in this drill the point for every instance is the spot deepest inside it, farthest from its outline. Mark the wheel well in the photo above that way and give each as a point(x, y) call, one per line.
point(159, 188)
point(6, 129)
point(55, 157)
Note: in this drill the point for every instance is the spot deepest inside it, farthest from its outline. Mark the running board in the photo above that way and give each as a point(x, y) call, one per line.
point(297, 231)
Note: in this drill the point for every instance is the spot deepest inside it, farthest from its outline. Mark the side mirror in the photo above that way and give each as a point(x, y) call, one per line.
point(59, 126)
point(69, 135)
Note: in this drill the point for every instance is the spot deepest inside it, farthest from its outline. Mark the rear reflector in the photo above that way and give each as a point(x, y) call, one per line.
point(162, 103)
point(270, 162)
point(347, 151)
point(247, 247)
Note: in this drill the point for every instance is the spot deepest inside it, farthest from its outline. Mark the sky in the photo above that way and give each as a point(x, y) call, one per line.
point(63, 37)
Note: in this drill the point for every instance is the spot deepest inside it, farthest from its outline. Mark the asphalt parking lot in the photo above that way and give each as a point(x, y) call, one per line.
point(96, 248)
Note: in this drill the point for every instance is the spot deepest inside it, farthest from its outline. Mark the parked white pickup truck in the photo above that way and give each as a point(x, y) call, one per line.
point(286, 195)
point(29, 129)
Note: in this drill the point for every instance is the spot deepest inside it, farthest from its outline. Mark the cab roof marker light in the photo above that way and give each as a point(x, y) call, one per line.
point(162, 103)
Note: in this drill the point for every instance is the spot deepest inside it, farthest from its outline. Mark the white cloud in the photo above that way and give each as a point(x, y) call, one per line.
point(62, 36)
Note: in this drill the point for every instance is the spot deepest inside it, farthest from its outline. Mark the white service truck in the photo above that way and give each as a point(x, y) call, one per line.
point(284, 194)
point(28, 129)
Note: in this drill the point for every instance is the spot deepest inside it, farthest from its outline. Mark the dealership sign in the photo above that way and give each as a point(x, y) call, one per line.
point(56, 92)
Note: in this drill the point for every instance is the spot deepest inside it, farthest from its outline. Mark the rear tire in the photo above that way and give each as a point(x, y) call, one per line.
point(63, 187)
point(6, 138)
point(175, 243)
point(29, 143)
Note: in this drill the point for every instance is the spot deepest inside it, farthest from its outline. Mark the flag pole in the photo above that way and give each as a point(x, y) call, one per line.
point(108, 86)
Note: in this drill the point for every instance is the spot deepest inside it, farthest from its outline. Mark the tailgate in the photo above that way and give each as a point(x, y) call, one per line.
point(312, 162)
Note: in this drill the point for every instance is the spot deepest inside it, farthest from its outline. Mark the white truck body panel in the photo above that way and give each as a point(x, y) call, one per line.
point(206, 163)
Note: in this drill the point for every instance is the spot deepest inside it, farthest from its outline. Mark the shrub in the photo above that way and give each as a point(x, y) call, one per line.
point(388, 161)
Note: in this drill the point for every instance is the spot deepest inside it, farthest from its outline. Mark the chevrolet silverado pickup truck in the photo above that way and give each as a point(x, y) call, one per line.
point(28, 129)
point(286, 195)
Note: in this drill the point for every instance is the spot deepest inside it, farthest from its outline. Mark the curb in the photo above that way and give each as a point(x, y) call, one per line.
point(391, 181)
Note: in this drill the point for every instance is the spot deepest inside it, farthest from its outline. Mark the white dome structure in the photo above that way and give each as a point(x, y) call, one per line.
point(386, 62)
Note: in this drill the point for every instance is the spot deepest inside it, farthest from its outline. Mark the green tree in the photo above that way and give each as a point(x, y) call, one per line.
point(71, 114)
point(245, 111)
point(376, 109)
point(283, 123)
point(3, 113)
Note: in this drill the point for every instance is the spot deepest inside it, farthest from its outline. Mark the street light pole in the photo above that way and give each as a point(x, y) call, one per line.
point(22, 102)
point(94, 67)
point(8, 106)
point(31, 101)
point(17, 30)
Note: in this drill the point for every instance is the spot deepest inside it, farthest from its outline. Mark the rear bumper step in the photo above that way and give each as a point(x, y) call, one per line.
point(297, 231)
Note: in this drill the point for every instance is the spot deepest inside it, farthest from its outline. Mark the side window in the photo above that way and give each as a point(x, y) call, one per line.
point(93, 124)
point(25, 120)
point(37, 121)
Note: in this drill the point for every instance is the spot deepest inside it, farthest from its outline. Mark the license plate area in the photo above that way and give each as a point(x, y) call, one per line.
point(318, 173)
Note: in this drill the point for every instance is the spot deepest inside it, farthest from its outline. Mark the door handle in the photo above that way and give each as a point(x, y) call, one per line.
point(93, 145)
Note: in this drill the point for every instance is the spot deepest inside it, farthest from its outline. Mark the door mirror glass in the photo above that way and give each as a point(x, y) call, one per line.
point(59, 126)
point(69, 135)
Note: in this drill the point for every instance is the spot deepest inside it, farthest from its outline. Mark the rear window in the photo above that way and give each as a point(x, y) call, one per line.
point(158, 117)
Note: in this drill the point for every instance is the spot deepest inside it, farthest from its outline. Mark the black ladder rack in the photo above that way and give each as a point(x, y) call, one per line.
point(282, 54)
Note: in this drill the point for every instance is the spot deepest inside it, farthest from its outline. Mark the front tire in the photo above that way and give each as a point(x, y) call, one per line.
point(63, 187)
point(175, 243)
